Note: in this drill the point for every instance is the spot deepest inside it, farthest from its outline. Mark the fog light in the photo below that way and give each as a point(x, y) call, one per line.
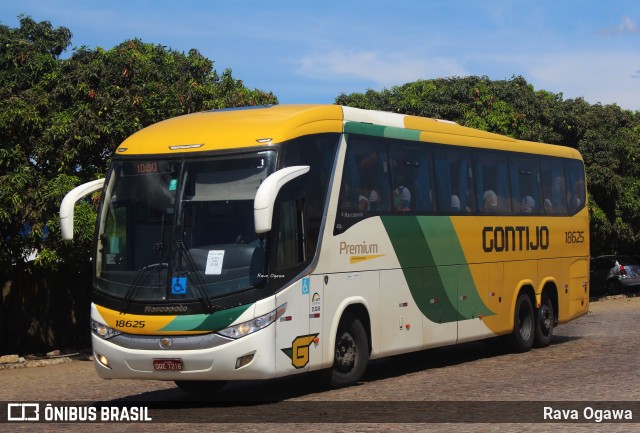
point(244, 360)
point(103, 360)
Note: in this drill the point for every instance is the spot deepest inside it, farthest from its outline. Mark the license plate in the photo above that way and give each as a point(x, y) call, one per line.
point(168, 364)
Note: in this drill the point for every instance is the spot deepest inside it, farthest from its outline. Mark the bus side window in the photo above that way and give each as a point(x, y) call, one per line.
point(553, 187)
point(365, 189)
point(452, 169)
point(492, 183)
point(576, 189)
point(411, 178)
point(290, 235)
point(525, 186)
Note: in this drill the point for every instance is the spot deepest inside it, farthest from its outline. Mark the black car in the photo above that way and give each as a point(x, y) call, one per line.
point(614, 274)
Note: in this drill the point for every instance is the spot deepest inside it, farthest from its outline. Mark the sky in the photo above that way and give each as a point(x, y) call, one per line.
point(313, 51)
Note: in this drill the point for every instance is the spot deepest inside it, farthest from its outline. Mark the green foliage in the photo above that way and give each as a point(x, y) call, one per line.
point(61, 120)
point(607, 136)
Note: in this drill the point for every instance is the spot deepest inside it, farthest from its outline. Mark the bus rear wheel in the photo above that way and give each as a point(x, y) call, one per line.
point(545, 319)
point(523, 324)
point(201, 388)
point(351, 352)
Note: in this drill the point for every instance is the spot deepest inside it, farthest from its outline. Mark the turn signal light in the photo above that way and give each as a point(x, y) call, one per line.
point(103, 360)
point(244, 360)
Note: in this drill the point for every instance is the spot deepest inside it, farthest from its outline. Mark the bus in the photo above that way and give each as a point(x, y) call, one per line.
point(255, 243)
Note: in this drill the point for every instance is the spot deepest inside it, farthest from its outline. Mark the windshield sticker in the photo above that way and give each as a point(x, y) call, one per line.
point(179, 285)
point(315, 306)
point(173, 184)
point(214, 262)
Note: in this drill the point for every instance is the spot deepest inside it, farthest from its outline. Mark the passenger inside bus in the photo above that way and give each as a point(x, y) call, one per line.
point(528, 204)
point(402, 198)
point(490, 200)
point(455, 203)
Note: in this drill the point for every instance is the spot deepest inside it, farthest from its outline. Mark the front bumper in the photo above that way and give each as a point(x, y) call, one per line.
point(210, 357)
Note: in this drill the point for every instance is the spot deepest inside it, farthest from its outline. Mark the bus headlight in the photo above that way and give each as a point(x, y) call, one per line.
point(253, 325)
point(103, 331)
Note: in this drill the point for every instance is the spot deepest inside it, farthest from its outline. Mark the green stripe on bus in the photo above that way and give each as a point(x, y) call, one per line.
point(426, 284)
point(442, 237)
point(364, 129)
point(402, 134)
point(436, 281)
point(381, 131)
point(206, 322)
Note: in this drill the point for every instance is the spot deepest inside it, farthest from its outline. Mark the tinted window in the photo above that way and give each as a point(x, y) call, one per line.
point(525, 186)
point(318, 152)
point(365, 187)
point(453, 180)
point(384, 175)
point(576, 188)
point(491, 174)
point(411, 178)
point(554, 191)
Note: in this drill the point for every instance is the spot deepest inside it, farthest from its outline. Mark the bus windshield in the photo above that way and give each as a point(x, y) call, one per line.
point(181, 229)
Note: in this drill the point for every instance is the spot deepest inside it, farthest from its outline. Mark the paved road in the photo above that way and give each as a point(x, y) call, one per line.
point(593, 359)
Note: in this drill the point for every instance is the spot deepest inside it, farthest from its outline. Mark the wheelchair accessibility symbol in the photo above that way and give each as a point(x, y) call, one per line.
point(179, 285)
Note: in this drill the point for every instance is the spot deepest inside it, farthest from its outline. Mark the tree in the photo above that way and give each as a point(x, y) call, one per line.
point(61, 119)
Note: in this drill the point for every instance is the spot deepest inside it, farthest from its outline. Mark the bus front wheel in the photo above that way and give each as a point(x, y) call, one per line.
point(523, 324)
point(351, 352)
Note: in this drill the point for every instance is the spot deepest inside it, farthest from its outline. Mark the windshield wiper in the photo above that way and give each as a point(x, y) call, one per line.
point(143, 275)
point(193, 271)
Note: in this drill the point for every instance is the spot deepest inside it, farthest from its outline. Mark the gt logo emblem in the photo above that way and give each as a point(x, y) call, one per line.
point(299, 350)
point(166, 343)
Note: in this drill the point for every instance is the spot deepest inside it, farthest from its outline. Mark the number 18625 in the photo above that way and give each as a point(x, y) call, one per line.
point(574, 237)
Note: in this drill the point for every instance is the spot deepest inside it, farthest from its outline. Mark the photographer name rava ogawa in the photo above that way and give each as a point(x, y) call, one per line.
point(587, 414)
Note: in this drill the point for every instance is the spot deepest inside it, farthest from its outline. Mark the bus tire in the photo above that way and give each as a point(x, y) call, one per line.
point(545, 318)
point(523, 324)
point(351, 353)
point(201, 388)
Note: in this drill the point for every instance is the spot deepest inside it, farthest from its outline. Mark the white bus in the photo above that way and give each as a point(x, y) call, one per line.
point(263, 242)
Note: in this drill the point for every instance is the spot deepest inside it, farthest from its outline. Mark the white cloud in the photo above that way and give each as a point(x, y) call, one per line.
point(627, 26)
point(383, 69)
point(605, 77)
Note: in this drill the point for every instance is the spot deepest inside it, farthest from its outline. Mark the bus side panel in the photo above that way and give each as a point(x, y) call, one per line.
point(400, 328)
point(294, 342)
point(350, 265)
point(488, 282)
point(341, 291)
point(317, 314)
point(578, 288)
point(439, 324)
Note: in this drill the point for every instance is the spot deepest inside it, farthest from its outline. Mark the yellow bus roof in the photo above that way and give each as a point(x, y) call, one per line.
point(259, 126)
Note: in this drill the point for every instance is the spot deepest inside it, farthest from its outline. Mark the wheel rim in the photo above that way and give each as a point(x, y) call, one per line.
point(346, 352)
point(546, 319)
